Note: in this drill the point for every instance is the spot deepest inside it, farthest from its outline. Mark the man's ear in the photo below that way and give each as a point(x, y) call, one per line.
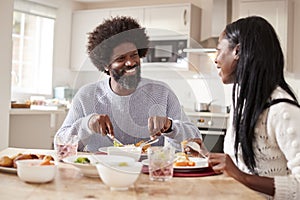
point(236, 52)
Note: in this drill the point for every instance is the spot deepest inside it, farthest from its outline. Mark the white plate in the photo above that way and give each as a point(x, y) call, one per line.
point(8, 170)
point(104, 150)
point(200, 163)
point(88, 170)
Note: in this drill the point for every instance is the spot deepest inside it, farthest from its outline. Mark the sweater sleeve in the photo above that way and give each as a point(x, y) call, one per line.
point(76, 122)
point(284, 119)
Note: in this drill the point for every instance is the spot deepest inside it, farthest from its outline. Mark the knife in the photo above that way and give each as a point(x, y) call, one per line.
point(115, 141)
point(151, 141)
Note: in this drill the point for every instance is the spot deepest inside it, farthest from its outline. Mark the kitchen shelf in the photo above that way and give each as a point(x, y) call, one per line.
point(200, 50)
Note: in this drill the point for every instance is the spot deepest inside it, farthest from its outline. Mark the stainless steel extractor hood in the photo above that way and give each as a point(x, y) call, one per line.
point(221, 15)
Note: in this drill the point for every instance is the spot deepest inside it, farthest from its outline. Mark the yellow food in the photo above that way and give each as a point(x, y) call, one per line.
point(144, 149)
point(183, 160)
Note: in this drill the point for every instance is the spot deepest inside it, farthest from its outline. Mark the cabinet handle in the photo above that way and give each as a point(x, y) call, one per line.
point(184, 17)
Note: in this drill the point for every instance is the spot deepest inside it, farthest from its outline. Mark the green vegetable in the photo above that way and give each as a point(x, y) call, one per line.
point(123, 164)
point(117, 144)
point(82, 160)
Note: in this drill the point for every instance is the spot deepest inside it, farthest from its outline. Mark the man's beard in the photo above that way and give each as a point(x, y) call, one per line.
point(128, 82)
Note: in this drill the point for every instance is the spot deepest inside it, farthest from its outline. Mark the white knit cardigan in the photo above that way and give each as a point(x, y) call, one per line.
point(276, 147)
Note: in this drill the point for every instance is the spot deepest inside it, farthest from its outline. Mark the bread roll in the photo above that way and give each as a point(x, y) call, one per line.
point(6, 161)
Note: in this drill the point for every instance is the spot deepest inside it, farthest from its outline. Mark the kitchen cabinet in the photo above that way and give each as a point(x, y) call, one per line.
point(173, 21)
point(280, 14)
point(176, 21)
point(84, 22)
point(134, 12)
point(34, 128)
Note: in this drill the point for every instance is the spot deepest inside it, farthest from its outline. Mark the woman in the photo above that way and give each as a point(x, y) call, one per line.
point(261, 149)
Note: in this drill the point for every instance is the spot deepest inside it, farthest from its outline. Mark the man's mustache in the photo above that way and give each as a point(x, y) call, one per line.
point(123, 71)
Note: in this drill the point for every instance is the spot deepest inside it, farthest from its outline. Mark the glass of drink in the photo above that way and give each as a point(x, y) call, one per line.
point(161, 163)
point(65, 147)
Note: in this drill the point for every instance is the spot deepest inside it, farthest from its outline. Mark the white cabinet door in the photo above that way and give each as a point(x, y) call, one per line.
point(84, 22)
point(174, 19)
point(134, 12)
point(276, 12)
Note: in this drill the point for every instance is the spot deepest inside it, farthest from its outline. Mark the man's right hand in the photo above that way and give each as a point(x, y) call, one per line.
point(101, 124)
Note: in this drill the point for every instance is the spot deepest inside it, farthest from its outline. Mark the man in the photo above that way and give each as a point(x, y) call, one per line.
point(124, 105)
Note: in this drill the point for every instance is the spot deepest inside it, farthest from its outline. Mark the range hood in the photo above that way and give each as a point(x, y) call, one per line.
point(221, 14)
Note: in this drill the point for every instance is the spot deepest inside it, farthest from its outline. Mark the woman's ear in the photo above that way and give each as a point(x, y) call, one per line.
point(236, 52)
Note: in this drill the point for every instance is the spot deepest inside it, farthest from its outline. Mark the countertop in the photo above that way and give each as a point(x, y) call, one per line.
point(193, 113)
point(30, 111)
point(70, 184)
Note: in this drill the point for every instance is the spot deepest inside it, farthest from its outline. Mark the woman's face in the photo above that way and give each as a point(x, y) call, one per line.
point(226, 60)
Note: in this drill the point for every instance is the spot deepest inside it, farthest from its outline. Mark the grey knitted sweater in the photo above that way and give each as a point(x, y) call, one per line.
point(128, 114)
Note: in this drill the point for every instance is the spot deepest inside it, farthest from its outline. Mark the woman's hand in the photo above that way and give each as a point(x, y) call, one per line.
point(189, 150)
point(158, 125)
point(222, 163)
point(101, 124)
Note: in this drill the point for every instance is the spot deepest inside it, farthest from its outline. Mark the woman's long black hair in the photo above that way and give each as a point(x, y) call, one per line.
point(259, 71)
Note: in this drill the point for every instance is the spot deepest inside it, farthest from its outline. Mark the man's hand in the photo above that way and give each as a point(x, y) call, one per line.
point(101, 124)
point(158, 125)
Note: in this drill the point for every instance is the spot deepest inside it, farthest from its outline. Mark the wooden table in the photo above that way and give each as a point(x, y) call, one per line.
point(70, 184)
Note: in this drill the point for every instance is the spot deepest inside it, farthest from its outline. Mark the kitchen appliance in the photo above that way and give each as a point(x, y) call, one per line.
point(213, 129)
point(166, 50)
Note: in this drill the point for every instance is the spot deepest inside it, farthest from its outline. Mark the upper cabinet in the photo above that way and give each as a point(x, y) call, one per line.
point(280, 14)
point(84, 22)
point(176, 21)
point(135, 12)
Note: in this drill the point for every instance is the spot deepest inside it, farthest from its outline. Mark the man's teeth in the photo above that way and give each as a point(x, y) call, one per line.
point(130, 70)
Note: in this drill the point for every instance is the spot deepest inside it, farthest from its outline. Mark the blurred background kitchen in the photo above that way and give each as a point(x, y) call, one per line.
point(44, 62)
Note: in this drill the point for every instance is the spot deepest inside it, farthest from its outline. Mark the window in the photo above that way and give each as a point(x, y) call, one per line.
point(33, 34)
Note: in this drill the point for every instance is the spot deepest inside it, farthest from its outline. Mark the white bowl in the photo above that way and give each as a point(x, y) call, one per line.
point(118, 172)
point(129, 151)
point(88, 170)
point(31, 171)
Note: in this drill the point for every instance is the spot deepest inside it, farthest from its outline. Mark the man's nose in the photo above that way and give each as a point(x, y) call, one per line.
point(130, 62)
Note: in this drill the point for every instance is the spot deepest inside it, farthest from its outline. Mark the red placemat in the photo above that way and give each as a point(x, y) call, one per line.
point(208, 171)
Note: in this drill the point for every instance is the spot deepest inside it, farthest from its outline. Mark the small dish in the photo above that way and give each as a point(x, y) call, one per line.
point(118, 172)
point(88, 169)
point(33, 172)
point(105, 150)
point(130, 151)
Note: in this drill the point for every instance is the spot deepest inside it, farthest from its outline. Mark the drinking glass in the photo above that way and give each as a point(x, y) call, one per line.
point(161, 163)
point(66, 147)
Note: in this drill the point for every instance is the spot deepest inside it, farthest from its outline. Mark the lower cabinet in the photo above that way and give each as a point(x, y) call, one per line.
point(34, 129)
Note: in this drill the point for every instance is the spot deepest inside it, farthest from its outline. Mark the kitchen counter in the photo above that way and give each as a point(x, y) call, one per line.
point(29, 111)
point(193, 113)
point(70, 184)
point(34, 128)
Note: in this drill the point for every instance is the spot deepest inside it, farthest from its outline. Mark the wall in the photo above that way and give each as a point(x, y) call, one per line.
point(6, 17)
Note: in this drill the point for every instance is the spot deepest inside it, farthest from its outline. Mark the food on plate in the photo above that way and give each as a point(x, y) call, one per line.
point(182, 160)
point(123, 164)
point(6, 161)
point(117, 144)
point(82, 160)
point(145, 147)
